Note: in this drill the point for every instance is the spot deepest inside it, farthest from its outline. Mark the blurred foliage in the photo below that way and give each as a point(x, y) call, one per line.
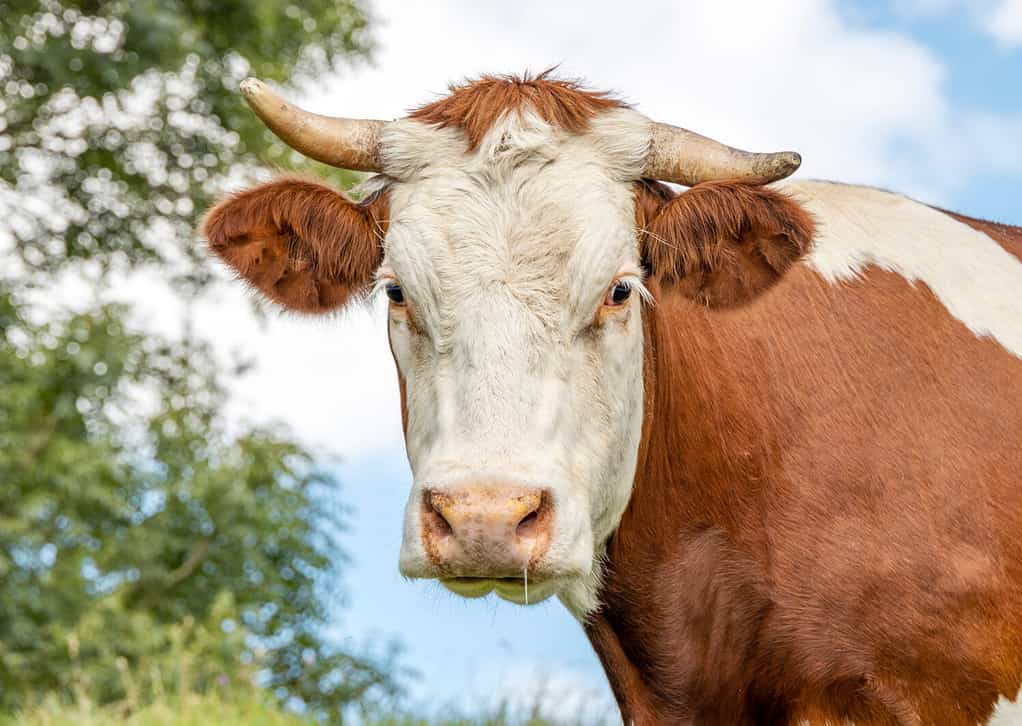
point(230, 704)
point(169, 687)
point(124, 116)
point(247, 708)
point(162, 693)
point(127, 509)
point(133, 522)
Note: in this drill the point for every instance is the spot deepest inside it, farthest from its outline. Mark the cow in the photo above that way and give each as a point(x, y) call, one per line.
point(761, 437)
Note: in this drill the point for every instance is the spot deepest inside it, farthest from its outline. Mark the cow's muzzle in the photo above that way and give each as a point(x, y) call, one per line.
point(487, 530)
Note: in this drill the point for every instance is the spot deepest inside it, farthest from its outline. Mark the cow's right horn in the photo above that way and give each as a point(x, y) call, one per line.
point(342, 142)
point(684, 157)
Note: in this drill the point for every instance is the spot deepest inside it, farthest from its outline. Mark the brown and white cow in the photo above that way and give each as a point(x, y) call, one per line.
point(763, 441)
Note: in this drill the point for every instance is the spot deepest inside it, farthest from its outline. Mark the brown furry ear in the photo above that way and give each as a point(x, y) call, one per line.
point(720, 243)
point(302, 244)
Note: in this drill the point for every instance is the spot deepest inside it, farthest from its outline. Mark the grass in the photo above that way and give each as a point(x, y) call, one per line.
point(216, 709)
point(192, 710)
point(163, 700)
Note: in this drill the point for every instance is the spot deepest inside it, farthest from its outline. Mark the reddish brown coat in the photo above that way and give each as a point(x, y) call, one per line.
point(826, 517)
point(475, 106)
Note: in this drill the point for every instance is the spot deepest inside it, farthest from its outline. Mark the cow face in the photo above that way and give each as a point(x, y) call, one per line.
point(516, 273)
point(516, 288)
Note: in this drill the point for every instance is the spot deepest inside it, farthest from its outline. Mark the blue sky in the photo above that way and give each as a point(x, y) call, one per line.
point(983, 73)
point(920, 96)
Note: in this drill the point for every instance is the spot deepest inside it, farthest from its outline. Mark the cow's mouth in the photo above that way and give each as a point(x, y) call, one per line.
point(512, 589)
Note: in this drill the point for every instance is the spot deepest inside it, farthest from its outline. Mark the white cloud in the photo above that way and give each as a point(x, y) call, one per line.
point(1000, 19)
point(1004, 23)
point(861, 104)
point(330, 379)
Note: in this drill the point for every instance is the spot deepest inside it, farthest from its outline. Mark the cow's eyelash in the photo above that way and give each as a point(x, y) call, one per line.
point(634, 281)
point(384, 276)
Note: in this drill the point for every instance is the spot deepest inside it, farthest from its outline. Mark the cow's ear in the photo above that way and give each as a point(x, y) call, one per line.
point(299, 243)
point(720, 243)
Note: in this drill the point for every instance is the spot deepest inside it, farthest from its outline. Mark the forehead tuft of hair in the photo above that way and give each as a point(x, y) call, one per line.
point(475, 106)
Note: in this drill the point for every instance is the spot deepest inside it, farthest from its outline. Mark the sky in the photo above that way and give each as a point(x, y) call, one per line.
point(919, 96)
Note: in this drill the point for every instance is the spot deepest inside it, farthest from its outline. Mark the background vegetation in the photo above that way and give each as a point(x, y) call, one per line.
point(137, 532)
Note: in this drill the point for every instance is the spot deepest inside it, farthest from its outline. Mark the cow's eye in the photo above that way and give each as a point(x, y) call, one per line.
point(618, 294)
point(395, 293)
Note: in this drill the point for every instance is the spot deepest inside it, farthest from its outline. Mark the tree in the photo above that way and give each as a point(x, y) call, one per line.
point(131, 519)
point(124, 116)
point(127, 510)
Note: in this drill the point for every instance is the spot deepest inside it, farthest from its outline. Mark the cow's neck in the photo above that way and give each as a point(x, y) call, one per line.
point(680, 600)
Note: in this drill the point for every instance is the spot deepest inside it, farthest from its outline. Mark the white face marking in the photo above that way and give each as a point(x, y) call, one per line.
point(976, 279)
point(505, 256)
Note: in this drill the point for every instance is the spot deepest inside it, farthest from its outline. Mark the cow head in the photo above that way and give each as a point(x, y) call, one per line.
point(516, 231)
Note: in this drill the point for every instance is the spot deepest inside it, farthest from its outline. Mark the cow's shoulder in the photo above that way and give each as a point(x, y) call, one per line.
point(973, 267)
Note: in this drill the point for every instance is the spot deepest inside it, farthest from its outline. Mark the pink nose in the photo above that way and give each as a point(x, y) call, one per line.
point(486, 530)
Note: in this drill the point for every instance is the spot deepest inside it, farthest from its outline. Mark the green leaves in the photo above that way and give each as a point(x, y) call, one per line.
point(119, 120)
point(132, 521)
point(127, 510)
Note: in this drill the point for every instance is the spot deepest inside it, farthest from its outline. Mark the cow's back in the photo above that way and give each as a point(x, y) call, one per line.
point(837, 468)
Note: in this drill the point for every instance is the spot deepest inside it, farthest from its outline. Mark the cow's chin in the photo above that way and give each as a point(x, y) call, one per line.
point(507, 588)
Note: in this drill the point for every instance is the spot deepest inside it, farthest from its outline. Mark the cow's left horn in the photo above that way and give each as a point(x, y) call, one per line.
point(344, 142)
point(684, 157)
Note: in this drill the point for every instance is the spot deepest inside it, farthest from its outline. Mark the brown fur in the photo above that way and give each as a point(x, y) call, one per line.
point(302, 244)
point(475, 106)
point(825, 517)
point(720, 243)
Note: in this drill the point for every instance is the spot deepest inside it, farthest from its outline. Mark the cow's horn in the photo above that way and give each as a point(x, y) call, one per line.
point(683, 157)
point(344, 142)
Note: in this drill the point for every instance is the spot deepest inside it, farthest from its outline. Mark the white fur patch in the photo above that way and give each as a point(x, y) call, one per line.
point(977, 280)
point(1007, 713)
point(505, 255)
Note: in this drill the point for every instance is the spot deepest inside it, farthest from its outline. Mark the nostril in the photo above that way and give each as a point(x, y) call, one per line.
point(435, 504)
point(529, 524)
point(441, 525)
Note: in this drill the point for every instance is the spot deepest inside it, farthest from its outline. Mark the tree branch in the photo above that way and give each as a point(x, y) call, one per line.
point(195, 558)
